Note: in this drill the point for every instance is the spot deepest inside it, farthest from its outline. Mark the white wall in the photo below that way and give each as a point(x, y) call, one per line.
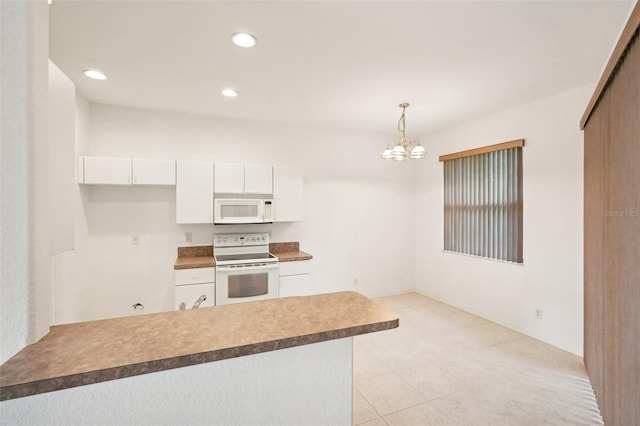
point(72, 266)
point(304, 385)
point(25, 267)
point(61, 150)
point(350, 195)
point(551, 277)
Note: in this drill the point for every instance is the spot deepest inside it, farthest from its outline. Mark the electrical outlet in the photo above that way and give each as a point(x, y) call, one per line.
point(355, 282)
point(538, 313)
point(135, 239)
point(188, 237)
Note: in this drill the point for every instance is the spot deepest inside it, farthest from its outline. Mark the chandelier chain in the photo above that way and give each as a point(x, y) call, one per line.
point(402, 126)
point(403, 148)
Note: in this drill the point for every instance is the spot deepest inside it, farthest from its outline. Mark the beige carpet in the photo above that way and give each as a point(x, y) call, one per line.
point(444, 366)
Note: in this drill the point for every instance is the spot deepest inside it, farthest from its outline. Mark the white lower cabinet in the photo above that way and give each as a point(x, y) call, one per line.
point(295, 278)
point(192, 284)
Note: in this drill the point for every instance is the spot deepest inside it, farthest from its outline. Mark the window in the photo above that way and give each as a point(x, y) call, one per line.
point(483, 201)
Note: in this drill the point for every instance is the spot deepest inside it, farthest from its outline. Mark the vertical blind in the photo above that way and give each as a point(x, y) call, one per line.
point(483, 204)
point(612, 233)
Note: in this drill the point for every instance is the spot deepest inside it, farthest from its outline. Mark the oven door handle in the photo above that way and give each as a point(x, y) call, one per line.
point(231, 268)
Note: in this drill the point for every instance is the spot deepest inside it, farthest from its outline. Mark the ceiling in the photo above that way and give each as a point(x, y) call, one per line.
point(345, 64)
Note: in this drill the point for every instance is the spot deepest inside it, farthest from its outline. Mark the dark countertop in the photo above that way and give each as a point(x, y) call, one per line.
point(194, 262)
point(288, 251)
point(195, 257)
point(96, 351)
point(202, 256)
point(291, 256)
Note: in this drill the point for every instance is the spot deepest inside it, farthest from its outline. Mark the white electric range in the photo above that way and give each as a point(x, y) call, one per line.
point(245, 270)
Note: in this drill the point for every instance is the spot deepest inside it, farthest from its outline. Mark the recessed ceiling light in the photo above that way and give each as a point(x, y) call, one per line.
point(95, 74)
point(243, 40)
point(230, 93)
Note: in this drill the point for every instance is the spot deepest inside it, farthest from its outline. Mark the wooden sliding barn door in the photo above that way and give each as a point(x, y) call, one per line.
point(612, 234)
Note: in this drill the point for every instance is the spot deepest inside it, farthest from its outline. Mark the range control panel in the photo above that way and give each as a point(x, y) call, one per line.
point(236, 240)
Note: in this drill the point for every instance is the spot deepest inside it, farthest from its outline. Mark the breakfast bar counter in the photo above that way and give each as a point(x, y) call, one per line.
point(86, 353)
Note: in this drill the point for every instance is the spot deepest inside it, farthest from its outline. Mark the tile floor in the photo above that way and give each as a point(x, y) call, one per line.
point(444, 366)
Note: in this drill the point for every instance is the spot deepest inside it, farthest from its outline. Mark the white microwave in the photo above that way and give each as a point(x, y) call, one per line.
point(242, 210)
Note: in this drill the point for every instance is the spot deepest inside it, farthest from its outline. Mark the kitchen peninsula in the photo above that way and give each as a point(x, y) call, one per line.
point(277, 361)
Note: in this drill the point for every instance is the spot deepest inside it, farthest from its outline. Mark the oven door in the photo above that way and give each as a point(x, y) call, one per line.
point(246, 283)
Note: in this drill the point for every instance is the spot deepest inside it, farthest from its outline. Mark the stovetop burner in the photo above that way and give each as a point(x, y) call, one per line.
point(237, 249)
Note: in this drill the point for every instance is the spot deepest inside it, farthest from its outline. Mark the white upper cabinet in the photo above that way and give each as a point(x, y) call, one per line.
point(194, 192)
point(288, 194)
point(258, 179)
point(243, 178)
point(107, 171)
point(154, 172)
point(229, 178)
point(125, 171)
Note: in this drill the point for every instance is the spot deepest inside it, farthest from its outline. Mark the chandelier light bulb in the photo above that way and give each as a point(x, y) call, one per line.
point(386, 154)
point(418, 152)
point(400, 151)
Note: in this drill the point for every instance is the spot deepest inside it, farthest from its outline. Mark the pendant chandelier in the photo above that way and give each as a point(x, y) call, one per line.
point(404, 148)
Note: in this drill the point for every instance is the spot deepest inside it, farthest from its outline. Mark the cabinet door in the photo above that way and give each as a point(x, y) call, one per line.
point(296, 267)
point(189, 294)
point(154, 172)
point(258, 179)
point(194, 276)
point(288, 194)
point(194, 192)
point(107, 171)
point(229, 178)
point(295, 285)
